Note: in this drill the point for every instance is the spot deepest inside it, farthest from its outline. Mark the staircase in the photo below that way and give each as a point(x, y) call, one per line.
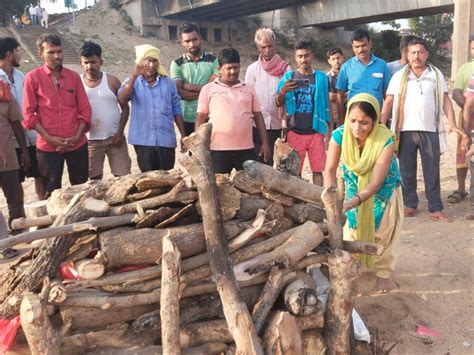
point(30, 34)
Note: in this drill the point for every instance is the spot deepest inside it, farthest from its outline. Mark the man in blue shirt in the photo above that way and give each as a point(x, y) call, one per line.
point(363, 73)
point(155, 107)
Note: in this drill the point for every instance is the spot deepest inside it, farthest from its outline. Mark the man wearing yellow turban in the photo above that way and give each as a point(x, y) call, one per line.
point(155, 107)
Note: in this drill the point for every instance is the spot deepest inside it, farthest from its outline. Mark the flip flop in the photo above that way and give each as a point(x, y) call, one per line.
point(456, 197)
point(410, 212)
point(440, 217)
point(9, 253)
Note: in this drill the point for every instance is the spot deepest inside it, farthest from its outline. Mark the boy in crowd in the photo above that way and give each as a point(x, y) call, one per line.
point(106, 135)
point(305, 94)
point(232, 108)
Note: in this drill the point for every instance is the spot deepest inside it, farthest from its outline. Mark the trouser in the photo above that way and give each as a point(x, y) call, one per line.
point(13, 192)
point(189, 128)
point(273, 135)
point(428, 144)
point(223, 161)
point(154, 158)
point(51, 165)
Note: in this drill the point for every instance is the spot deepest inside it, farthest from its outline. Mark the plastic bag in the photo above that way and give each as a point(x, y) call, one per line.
point(8, 330)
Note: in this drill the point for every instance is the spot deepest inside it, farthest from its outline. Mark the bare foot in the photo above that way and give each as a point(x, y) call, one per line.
point(384, 285)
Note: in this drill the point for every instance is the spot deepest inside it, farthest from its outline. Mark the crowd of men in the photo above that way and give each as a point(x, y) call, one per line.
point(54, 115)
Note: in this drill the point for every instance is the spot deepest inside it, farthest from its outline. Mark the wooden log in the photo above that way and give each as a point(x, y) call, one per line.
point(285, 158)
point(41, 336)
point(275, 211)
point(229, 198)
point(245, 183)
point(92, 223)
point(276, 197)
point(199, 167)
point(159, 179)
point(169, 301)
point(82, 247)
point(89, 269)
point(120, 189)
point(23, 223)
point(84, 318)
point(143, 246)
point(300, 295)
point(333, 200)
point(89, 207)
point(147, 194)
point(208, 349)
point(343, 272)
point(359, 247)
point(307, 237)
point(36, 209)
point(313, 342)
point(282, 335)
point(249, 206)
point(57, 292)
point(283, 182)
point(186, 210)
point(302, 212)
point(180, 193)
point(155, 217)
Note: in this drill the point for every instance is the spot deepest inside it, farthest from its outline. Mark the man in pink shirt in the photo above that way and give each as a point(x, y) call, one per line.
point(232, 108)
point(57, 107)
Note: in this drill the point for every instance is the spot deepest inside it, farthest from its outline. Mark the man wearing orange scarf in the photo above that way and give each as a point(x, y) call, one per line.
point(264, 75)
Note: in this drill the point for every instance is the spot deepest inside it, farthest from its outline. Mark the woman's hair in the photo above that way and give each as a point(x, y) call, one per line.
point(366, 107)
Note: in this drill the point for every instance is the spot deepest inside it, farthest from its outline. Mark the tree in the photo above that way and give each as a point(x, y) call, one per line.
point(10, 8)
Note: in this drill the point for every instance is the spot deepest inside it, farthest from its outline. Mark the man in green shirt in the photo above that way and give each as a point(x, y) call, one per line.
point(191, 72)
point(459, 88)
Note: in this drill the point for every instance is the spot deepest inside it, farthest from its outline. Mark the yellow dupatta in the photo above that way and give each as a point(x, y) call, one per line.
point(362, 165)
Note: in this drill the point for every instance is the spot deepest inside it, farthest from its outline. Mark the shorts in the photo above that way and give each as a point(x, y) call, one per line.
point(314, 145)
point(224, 161)
point(33, 171)
point(119, 159)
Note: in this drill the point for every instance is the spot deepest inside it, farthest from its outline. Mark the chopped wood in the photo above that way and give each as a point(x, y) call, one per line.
point(23, 223)
point(173, 218)
point(282, 335)
point(119, 189)
point(89, 269)
point(36, 209)
point(143, 246)
point(155, 217)
point(302, 212)
point(42, 337)
point(313, 342)
point(147, 193)
point(57, 292)
point(343, 272)
point(249, 206)
point(82, 247)
point(84, 318)
point(169, 300)
point(359, 247)
point(159, 179)
point(333, 200)
point(275, 211)
point(300, 295)
point(199, 167)
point(229, 199)
point(276, 196)
point(283, 182)
point(180, 193)
point(285, 158)
point(245, 183)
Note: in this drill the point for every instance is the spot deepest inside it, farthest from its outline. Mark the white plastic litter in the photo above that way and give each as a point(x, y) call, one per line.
point(361, 332)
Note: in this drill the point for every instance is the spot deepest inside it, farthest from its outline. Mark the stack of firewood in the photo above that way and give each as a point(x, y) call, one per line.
point(157, 263)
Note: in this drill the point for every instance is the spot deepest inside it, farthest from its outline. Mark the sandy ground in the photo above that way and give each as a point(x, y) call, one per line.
point(434, 276)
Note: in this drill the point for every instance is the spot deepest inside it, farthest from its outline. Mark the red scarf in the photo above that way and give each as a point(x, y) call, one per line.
point(275, 66)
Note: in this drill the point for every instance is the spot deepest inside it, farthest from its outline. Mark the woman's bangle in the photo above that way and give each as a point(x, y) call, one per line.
point(360, 200)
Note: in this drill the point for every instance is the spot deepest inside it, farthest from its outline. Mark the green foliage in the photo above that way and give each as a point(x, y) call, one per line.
point(392, 23)
point(385, 44)
point(436, 30)
point(320, 46)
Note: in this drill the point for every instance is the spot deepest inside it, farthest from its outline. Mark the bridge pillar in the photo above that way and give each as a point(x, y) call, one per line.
point(463, 28)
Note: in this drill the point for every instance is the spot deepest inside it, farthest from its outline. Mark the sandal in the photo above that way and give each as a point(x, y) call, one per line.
point(440, 217)
point(456, 197)
point(9, 253)
point(410, 212)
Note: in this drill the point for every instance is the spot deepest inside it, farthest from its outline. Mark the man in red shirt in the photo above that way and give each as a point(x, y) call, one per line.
point(57, 107)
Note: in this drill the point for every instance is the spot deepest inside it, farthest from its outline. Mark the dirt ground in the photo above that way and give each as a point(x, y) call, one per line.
point(434, 276)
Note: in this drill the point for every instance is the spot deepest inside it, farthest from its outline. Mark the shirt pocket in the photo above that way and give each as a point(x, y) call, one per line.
point(245, 100)
point(376, 81)
point(68, 97)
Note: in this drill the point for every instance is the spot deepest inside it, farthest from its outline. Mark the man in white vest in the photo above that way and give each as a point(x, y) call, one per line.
point(106, 136)
point(416, 96)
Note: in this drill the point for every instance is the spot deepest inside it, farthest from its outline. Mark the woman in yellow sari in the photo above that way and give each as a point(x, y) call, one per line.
point(373, 198)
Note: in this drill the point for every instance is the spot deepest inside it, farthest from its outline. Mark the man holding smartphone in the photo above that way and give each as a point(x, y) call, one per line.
point(305, 94)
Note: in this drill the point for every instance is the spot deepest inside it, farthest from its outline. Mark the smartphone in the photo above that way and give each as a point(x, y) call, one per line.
point(301, 83)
